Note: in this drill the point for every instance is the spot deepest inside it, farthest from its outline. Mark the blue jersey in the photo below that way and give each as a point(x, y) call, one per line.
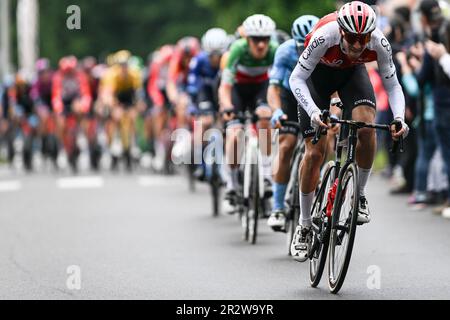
point(201, 74)
point(286, 59)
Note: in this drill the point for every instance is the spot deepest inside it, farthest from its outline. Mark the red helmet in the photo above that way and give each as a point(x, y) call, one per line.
point(189, 46)
point(68, 64)
point(357, 17)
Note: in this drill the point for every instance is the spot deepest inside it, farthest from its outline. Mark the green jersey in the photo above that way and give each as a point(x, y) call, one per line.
point(243, 68)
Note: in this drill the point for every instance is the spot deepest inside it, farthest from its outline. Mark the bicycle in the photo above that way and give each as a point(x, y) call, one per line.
point(335, 209)
point(251, 201)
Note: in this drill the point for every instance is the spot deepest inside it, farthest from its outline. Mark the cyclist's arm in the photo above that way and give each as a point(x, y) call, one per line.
point(85, 92)
point(152, 88)
point(388, 75)
point(57, 103)
point(307, 63)
point(171, 87)
point(444, 61)
point(194, 78)
point(277, 74)
point(228, 77)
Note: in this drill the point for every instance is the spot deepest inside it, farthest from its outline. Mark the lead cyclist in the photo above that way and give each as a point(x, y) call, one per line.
point(333, 60)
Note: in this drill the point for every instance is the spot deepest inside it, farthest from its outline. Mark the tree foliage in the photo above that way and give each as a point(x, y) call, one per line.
point(143, 25)
point(230, 14)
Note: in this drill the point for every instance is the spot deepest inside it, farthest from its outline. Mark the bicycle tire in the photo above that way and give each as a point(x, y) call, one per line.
point(255, 204)
point(294, 205)
point(319, 246)
point(215, 189)
point(336, 279)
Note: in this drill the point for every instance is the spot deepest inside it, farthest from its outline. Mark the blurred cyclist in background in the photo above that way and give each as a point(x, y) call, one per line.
point(41, 93)
point(119, 89)
point(71, 101)
point(185, 50)
point(201, 84)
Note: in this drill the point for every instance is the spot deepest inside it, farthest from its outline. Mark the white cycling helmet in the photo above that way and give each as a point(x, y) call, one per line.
point(259, 25)
point(357, 17)
point(215, 40)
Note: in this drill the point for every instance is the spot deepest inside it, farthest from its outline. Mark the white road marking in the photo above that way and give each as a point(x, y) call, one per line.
point(10, 186)
point(155, 181)
point(80, 183)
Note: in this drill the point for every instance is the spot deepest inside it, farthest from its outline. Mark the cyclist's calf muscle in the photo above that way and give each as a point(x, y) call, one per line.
point(312, 161)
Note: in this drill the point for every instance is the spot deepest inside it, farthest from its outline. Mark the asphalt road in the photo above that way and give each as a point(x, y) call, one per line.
point(147, 237)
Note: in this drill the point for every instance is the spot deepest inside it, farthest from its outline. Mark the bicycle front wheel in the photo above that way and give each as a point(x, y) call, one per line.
point(344, 221)
point(254, 205)
point(321, 227)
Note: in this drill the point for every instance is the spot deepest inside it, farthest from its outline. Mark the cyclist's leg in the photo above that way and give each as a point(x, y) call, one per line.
point(287, 143)
point(234, 139)
point(358, 95)
point(314, 154)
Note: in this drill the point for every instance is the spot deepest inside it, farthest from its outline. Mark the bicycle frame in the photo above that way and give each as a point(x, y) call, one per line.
point(252, 156)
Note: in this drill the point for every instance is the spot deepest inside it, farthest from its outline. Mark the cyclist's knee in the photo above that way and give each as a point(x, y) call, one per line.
point(364, 113)
point(264, 113)
point(314, 155)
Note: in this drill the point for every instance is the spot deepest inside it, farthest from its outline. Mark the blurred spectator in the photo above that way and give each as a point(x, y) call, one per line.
point(437, 33)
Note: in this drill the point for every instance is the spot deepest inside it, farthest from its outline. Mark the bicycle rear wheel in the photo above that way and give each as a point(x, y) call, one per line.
point(345, 215)
point(321, 227)
point(254, 205)
point(215, 188)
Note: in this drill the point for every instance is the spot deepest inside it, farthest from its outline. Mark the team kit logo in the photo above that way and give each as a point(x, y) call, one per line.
point(313, 45)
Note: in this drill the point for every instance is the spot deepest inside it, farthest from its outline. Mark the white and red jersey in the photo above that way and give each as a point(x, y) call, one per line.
point(324, 45)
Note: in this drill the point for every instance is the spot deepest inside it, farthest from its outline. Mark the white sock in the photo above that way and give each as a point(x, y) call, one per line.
point(364, 175)
point(306, 201)
point(234, 177)
point(267, 167)
point(228, 172)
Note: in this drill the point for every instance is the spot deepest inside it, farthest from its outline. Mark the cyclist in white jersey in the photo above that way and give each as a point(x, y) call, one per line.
point(333, 60)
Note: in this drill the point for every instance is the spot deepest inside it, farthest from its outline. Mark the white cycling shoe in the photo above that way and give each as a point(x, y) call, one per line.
point(363, 211)
point(300, 243)
point(277, 220)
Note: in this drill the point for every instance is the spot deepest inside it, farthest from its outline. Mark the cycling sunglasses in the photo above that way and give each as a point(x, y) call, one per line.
point(259, 39)
point(352, 38)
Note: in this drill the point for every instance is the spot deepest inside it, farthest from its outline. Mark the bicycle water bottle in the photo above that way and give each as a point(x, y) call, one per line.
point(331, 197)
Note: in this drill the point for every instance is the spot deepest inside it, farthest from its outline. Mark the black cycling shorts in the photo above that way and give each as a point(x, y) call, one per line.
point(352, 84)
point(249, 96)
point(126, 98)
point(206, 102)
point(289, 107)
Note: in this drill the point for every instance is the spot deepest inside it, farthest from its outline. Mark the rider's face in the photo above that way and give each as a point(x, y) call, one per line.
point(354, 45)
point(259, 46)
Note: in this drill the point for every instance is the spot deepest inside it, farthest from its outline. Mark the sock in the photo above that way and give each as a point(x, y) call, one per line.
point(234, 178)
point(364, 175)
point(279, 191)
point(267, 167)
point(306, 201)
point(228, 177)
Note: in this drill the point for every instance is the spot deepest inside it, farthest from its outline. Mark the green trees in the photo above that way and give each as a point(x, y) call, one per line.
point(229, 14)
point(143, 25)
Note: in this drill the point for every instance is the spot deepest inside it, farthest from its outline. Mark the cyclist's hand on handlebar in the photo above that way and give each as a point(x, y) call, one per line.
point(277, 116)
point(403, 132)
point(316, 121)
